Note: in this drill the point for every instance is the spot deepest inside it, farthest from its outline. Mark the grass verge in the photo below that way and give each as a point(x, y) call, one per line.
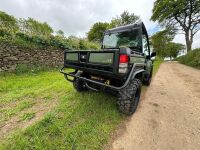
point(79, 121)
point(158, 61)
point(191, 59)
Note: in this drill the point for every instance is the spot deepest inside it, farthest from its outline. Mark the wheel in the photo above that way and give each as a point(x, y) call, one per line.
point(129, 97)
point(147, 79)
point(79, 85)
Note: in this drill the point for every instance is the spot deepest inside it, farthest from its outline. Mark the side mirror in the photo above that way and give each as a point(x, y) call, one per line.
point(153, 54)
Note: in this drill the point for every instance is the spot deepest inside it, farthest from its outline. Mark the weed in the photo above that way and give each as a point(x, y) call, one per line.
point(27, 116)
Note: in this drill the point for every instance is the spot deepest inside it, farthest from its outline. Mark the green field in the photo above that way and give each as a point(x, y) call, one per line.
point(49, 114)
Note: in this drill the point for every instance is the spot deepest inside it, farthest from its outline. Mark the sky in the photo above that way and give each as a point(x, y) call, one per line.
point(75, 17)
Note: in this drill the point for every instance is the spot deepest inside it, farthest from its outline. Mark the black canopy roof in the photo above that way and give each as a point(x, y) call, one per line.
point(136, 25)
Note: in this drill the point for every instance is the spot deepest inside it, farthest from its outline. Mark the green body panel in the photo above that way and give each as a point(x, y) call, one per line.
point(72, 56)
point(148, 68)
point(149, 65)
point(105, 58)
point(137, 60)
point(142, 60)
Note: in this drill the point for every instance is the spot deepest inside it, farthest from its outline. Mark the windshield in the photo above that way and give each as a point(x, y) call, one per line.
point(129, 39)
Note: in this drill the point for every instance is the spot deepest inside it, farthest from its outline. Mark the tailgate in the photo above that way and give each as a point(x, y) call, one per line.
point(93, 61)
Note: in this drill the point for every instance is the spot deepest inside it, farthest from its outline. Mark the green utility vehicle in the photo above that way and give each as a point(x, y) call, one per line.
point(123, 64)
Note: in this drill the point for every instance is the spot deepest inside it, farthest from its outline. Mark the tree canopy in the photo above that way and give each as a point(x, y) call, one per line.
point(172, 49)
point(160, 40)
point(30, 32)
point(60, 33)
point(163, 45)
point(96, 31)
point(124, 19)
point(33, 27)
point(181, 15)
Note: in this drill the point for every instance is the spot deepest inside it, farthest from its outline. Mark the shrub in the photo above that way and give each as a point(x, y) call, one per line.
point(4, 33)
point(191, 59)
point(22, 68)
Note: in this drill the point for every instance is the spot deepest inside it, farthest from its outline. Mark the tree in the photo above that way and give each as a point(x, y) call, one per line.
point(35, 28)
point(45, 30)
point(83, 44)
point(8, 23)
point(172, 49)
point(73, 42)
point(60, 33)
point(95, 34)
point(124, 19)
point(182, 15)
point(160, 40)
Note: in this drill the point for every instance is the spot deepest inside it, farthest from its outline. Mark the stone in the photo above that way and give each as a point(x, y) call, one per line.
point(12, 68)
point(12, 55)
point(13, 58)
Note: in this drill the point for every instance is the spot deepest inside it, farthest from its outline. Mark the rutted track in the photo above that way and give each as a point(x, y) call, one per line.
point(168, 116)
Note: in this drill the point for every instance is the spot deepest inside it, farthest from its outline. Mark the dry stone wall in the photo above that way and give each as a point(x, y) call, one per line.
point(13, 55)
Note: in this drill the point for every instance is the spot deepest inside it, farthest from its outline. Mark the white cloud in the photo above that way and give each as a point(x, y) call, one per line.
point(75, 17)
point(196, 43)
point(180, 38)
point(143, 8)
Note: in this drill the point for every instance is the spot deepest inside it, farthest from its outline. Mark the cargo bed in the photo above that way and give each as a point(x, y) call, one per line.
point(97, 62)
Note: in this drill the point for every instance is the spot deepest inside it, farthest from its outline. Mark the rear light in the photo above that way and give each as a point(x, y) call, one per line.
point(123, 63)
point(123, 59)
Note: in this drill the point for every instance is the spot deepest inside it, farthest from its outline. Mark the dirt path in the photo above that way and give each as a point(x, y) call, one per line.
point(168, 116)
